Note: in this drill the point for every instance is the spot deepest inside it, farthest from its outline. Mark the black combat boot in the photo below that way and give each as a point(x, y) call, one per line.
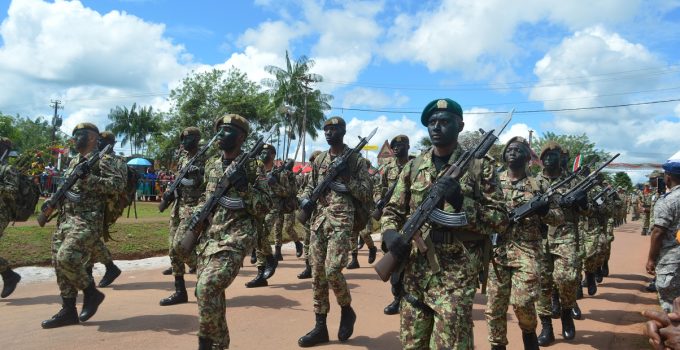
point(360, 243)
point(555, 312)
point(371, 254)
point(497, 347)
point(547, 336)
point(354, 263)
point(579, 293)
point(576, 312)
point(298, 248)
point(568, 328)
point(277, 253)
point(68, 315)
point(91, 300)
point(205, 343)
point(605, 268)
point(270, 266)
point(393, 307)
point(112, 272)
point(10, 279)
point(590, 282)
point(179, 296)
point(530, 341)
point(192, 270)
point(599, 275)
point(259, 280)
point(318, 334)
point(347, 319)
point(307, 272)
point(651, 287)
point(168, 271)
point(253, 257)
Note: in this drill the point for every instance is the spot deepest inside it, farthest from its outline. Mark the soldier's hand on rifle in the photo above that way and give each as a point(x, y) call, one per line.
point(82, 170)
point(343, 171)
point(397, 244)
point(542, 207)
point(239, 179)
point(452, 191)
point(307, 205)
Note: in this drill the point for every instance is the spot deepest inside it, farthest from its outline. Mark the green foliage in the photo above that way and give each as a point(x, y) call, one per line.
point(575, 144)
point(424, 143)
point(621, 179)
point(134, 126)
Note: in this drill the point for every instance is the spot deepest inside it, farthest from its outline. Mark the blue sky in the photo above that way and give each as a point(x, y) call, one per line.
point(394, 57)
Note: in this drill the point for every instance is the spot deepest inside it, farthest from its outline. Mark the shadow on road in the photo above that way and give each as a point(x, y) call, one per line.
point(175, 324)
point(389, 340)
point(615, 317)
point(602, 340)
point(630, 277)
point(168, 286)
point(263, 301)
point(362, 276)
point(304, 285)
point(623, 285)
point(42, 299)
point(624, 298)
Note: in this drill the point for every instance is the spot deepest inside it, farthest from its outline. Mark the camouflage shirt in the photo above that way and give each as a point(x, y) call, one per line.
point(566, 230)
point(388, 177)
point(193, 185)
point(667, 215)
point(234, 230)
point(9, 184)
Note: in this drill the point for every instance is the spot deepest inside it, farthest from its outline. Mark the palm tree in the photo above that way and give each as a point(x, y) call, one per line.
point(134, 126)
point(291, 87)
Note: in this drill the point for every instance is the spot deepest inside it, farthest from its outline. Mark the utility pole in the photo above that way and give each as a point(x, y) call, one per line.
point(531, 132)
point(56, 119)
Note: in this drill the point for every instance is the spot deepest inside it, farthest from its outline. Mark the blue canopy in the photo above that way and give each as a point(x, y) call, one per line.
point(139, 162)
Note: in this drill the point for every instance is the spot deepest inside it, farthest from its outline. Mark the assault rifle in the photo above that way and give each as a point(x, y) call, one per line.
point(380, 206)
point(586, 184)
point(273, 176)
point(529, 208)
point(4, 154)
point(80, 169)
point(389, 262)
point(200, 221)
point(170, 194)
point(308, 205)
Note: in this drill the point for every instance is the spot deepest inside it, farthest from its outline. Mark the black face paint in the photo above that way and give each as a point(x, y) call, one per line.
point(190, 142)
point(266, 156)
point(516, 155)
point(81, 139)
point(443, 128)
point(551, 161)
point(228, 139)
point(333, 134)
point(400, 149)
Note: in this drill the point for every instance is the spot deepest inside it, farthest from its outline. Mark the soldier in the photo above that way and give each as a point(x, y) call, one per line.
point(186, 202)
point(518, 256)
point(231, 235)
point(365, 236)
point(439, 287)
point(9, 185)
point(647, 201)
point(614, 203)
point(634, 205)
point(388, 178)
point(664, 251)
point(330, 228)
point(101, 253)
point(307, 272)
point(285, 187)
point(560, 256)
point(594, 225)
point(80, 218)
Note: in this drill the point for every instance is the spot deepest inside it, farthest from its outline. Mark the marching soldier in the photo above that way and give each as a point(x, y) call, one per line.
point(193, 186)
point(363, 234)
point(331, 227)
point(647, 202)
point(9, 185)
point(518, 256)
point(80, 218)
point(231, 235)
point(307, 272)
point(594, 226)
point(439, 287)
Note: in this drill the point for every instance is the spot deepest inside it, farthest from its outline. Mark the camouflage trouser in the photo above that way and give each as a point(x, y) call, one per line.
point(215, 273)
point(72, 244)
point(306, 240)
point(667, 285)
point(4, 265)
point(560, 269)
point(645, 221)
point(275, 224)
point(365, 235)
point(179, 220)
point(517, 286)
point(328, 256)
point(289, 226)
point(446, 322)
point(595, 242)
point(100, 254)
point(635, 213)
point(262, 246)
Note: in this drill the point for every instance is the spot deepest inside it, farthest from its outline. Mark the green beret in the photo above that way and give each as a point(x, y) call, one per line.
point(517, 139)
point(444, 104)
point(399, 138)
point(235, 120)
point(335, 121)
point(550, 146)
point(269, 148)
point(192, 130)
point(314, 155)
point(86, 126)
point(108, 137)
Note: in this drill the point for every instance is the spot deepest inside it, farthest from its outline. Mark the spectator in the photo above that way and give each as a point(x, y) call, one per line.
point(662, 328)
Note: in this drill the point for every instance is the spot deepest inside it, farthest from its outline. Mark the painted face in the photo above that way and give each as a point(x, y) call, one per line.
point(551, 160)
point(266, 156)
point(81, 139)
point(229, 137)
point(334, 134)
point(516, 155)
point(190, 142)
point(400, 149)
point(444, 128)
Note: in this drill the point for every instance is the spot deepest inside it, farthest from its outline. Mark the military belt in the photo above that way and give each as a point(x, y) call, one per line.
point(448, 237)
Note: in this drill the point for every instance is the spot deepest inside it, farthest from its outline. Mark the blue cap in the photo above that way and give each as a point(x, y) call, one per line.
point(672, 165)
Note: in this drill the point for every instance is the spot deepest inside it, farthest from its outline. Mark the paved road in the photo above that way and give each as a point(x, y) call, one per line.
point(274, 317)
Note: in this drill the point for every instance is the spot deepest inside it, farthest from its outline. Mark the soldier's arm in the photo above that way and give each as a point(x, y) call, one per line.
point(9, 183)
point(359, 185)
point(494, 212)
point(555, 216)
point(109, 180)
point(310, 182)
point(256, 199)
point(397, 209)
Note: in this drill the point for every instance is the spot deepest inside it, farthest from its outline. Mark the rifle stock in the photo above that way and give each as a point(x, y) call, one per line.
point(385, 266)
point(43, 216)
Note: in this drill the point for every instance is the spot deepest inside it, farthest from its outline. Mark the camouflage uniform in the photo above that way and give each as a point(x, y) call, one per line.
point(224, 244)
point(561, 258)
point(593, 226)
point(646, 202)
point(9, 184)
point(284, 187)
point(515, 278)
point(80, 223)
point(667, 215)
point(614, 203)
point(439, 287)
point(364, 233)
point(635, 211)
point(331, 226)
point(188, 197)
point(301, 189)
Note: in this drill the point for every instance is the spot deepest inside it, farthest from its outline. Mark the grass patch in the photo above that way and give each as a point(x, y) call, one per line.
point(144, 210)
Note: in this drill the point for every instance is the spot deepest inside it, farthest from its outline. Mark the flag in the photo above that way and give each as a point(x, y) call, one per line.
point(577, 162)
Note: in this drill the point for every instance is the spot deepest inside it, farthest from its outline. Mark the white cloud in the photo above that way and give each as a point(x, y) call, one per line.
point(373, 98)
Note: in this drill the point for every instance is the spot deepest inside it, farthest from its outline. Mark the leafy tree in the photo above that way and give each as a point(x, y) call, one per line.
point(424, 143)
point(133, 125)
point(32, 139)
point(621, 179)
point(575, 144)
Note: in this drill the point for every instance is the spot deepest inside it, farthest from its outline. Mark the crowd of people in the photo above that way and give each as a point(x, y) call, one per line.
point(452, 222)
